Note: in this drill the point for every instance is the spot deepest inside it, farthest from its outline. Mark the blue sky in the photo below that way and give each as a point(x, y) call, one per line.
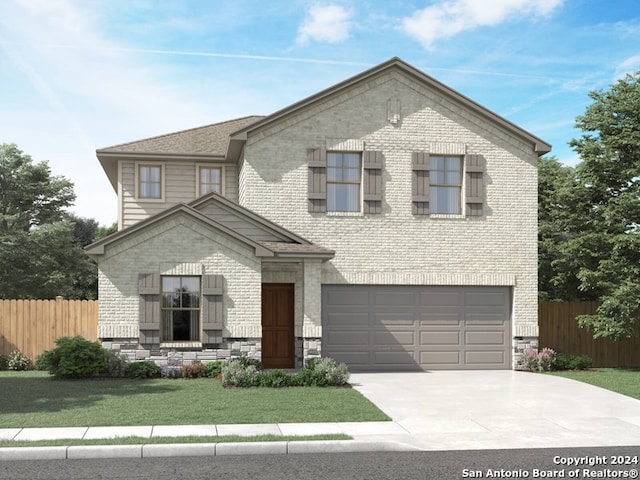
point(77, 75)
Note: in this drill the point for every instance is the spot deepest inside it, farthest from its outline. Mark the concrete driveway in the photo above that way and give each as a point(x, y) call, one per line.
point(449, 410)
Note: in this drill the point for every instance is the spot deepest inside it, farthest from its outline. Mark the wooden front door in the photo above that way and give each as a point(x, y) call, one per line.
point(278, 345)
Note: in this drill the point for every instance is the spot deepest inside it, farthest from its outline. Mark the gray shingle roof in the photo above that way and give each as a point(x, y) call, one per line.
point(208, 140)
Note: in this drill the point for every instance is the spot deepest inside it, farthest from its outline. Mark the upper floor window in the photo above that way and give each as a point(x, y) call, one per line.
point(150, 181)
point(180, 309)
point(210, 180)
point(343, 181)
point(445, 184)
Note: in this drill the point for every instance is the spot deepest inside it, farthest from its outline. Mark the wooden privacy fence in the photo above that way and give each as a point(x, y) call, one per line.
point(559, 330)
point(32, 326)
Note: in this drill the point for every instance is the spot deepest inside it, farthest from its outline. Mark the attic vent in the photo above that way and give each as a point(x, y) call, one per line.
point(393, 111)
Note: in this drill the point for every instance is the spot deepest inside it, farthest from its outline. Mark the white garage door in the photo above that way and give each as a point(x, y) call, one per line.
point(377, 327)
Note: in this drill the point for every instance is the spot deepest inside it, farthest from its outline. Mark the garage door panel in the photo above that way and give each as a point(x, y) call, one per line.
point(440, 297)
point(344, 337)
point(409, 327)
point(481, 299)
point(394, 338)
point(485, 358)
point(393, 297)
point(395, 358)
point(449, 359)
point(390, 319)
point(355, 297)
point(447, 337)
point(347, 319)
point(484, 338)
point(357, 359)
point(446, 319)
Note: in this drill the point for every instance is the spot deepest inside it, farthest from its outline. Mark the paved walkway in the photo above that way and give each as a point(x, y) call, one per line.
point(430, 411)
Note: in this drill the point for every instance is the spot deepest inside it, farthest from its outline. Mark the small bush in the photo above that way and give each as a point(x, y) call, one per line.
point(249, 362)
point(4, 362)
point(117, 364)
point(18, 361)
point(43, 361)
point(144, 369)
point(534, 361)
point(275, 379)
point(170, 371)
point(197, 370)
point(214, 368)
point(581, 362)
point(75, 357)
point(236, 374)
point(565, 361)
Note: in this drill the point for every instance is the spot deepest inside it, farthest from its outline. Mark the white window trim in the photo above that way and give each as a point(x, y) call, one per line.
point(162, 181)
point(222, 177)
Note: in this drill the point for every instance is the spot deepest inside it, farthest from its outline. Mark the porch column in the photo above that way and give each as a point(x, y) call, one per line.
point(312, 298)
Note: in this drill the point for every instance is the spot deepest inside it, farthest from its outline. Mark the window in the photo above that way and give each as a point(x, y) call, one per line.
point(150, 181)
point(343, 182)
point(445, 184)
point(210, 180)
point(180, 309)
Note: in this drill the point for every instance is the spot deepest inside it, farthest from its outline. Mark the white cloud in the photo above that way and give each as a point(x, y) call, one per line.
point(630, 65)
point(447, 19)
point(328, 23)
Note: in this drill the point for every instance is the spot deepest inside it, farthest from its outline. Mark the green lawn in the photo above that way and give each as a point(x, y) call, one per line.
point(621, 380)
point(33, 399)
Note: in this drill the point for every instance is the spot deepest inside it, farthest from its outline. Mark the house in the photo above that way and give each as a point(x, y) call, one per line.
point(388, 222)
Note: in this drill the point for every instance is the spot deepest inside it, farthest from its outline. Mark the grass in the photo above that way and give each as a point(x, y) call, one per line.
point(621, 380)
point(34, 399)
point(164, 440)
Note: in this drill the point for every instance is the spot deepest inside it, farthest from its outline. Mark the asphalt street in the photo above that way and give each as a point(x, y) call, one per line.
point(614, 462)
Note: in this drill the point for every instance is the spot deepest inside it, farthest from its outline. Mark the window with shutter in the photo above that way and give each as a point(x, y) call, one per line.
point(180, 308)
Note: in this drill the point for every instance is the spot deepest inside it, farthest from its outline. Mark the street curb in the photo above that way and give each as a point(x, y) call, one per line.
point(199, 449)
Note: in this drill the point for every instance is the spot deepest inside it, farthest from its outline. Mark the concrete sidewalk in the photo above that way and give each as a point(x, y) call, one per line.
point(367, 437)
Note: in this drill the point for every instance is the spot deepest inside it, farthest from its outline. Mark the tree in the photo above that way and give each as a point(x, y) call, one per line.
point(41, 245)
point(606, 251)
point(29, 194)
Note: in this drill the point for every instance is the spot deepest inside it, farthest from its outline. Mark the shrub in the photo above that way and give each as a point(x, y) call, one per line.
point(249, 362)
point(541, 361)
point(236, 374)
point(117, 364)
point(581, 362)
point(143, 369)
point(197, 370)
point(18, 361)
point(170, 371)
point(4, 362)
point(75, 357)
point(43, 361)
point(565, 361)
point(214, 368)
point(323, 372)
point(275, 379)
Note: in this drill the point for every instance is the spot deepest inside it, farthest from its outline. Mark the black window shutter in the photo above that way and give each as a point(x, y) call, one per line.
point(420, 183)
point(372, 181)
point(474, 190)
point(212, 312)
point(149, 290)
point(317, 192)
